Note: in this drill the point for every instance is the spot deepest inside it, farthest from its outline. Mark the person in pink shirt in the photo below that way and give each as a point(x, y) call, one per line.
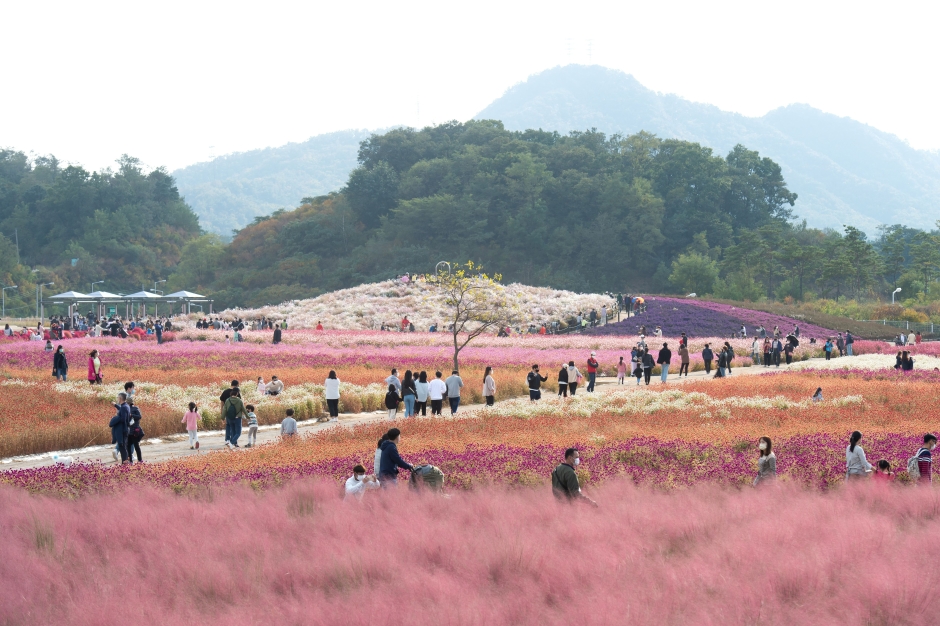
point(191, 419)
point(621, 371)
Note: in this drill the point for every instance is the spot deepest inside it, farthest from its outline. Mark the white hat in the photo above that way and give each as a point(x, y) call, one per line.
point(593, 354)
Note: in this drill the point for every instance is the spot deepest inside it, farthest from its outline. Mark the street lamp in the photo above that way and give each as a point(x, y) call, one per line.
point(41, 312)
point(4, 314)
point(97, 282)
point(898, 290)
point(155, 286)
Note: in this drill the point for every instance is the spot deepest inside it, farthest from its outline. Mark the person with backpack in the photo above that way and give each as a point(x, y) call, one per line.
point(534, 380)
point(592, 372)
point(390, 461)
point(234, 411)
point(920, 466)
point(565, 485)
point(707, 357)
point(856, 465)
point(563, 380)
point(222, 398)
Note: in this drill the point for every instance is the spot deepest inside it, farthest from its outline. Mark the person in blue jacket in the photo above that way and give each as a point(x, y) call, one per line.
point(391, 461)
point(120, 426)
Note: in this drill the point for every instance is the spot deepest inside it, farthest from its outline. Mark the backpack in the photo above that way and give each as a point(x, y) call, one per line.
point(231, 412)
point(913, 469)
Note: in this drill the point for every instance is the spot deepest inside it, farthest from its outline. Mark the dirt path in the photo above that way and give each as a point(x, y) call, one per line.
point(177, 446)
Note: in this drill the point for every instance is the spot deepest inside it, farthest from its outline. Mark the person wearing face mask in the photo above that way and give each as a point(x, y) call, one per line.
point(565, 485)
point(359, 483)
point(60, 366)
point(766, 462)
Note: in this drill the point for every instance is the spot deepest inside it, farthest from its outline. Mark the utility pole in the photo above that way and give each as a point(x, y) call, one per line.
point(16, 233)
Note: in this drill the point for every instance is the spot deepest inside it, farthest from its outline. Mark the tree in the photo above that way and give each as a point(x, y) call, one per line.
point(475, 301)
point(892, 247)
point(800, 260)
point(693, 272)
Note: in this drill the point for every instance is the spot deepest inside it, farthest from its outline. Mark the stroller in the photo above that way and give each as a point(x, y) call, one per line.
point(427, 477)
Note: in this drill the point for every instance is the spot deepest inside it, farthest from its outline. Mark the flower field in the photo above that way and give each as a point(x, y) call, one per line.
point(300, 555)
point(701, 318)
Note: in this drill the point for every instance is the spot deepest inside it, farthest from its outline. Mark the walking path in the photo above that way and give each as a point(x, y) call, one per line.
point(177, 446)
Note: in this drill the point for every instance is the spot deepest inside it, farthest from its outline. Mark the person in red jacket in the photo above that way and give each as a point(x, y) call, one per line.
point(592, 372)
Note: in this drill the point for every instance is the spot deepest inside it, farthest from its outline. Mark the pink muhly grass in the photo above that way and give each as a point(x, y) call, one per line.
point(300, 554)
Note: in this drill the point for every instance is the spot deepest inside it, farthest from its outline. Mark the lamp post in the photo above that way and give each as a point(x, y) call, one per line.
point(97, 282)
point(898, 290)
point(39, 287)
point(4, 292)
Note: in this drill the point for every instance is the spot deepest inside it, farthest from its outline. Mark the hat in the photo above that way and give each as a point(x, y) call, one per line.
point(593, 354)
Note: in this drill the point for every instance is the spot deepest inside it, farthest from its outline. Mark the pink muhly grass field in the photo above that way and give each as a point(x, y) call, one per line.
point(299, 555)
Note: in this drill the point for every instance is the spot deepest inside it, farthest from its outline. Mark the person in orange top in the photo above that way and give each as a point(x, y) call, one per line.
point(404, 323)
point(542, 330)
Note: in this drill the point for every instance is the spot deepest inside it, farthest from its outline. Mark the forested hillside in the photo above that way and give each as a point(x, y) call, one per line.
point(125, 227)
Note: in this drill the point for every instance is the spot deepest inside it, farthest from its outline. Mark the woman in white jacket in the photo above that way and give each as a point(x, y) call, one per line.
point(573, 376)
point(331, 391)
point(489, 386)
point(856, 465)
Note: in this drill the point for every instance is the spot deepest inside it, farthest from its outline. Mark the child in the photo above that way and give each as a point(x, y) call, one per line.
point(262, 388)
point(289, 425)
point(391, 401)
point(818, 397)
point(621, 371)
point(252, 426)
point(191, 419)
point(883, 472)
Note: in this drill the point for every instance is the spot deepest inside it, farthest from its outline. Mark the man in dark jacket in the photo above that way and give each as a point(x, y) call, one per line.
point(120, 425)
point(565, 485)
point(390, 461)
point(563, 380)
point(534, 380)
point(665, 357)
point(708, 356)
point(277, 334)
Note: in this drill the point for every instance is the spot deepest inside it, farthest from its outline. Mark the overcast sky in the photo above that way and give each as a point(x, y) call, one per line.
point(174, 83)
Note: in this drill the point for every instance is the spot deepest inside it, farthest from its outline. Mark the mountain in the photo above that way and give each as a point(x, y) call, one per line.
point(845, 172)
point(229, 192)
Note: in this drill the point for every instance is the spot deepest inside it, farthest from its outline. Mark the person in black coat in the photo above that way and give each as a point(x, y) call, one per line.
point(563, 380)
point(120, 426)
point(277, 334)
point(648, 364)
point(135, 433)
point(60, 366)
point(708, 356)
point(390, 461)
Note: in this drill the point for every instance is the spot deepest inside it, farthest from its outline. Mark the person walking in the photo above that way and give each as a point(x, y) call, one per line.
point(331, 393)
point(664, 358)
point(592, 372)
point(729, 357)
point(828, 348)
point(437, 390)
point(683, 360)
point(788, 351)
point(856, 465)
point(489, 386)
point(94, 368)
point(707, 356)
point(158, 330)
point(60, 365)
point(234, 411)
point(222, 398)
point(391, 461)
point(135, 433)
point(604, 315)
point(565, 485)
point(191, 419)
point(408, 393)
point(922, 462)
point(120, 427)
point(277, 334)
point(421, 394)
point(454, 384)
point(767, 352)
point(648, 364)
point(840, 345)
point(766, 462)
point(756, 350)
point(621, 371)
point(776, 349)
point(534, 380)
point(563, 380)
point(574, 377)
point(850, 340)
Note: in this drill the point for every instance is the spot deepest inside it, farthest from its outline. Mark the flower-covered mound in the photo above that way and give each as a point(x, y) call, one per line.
point(701, 318)
point(301, 555)
point(369, 306)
